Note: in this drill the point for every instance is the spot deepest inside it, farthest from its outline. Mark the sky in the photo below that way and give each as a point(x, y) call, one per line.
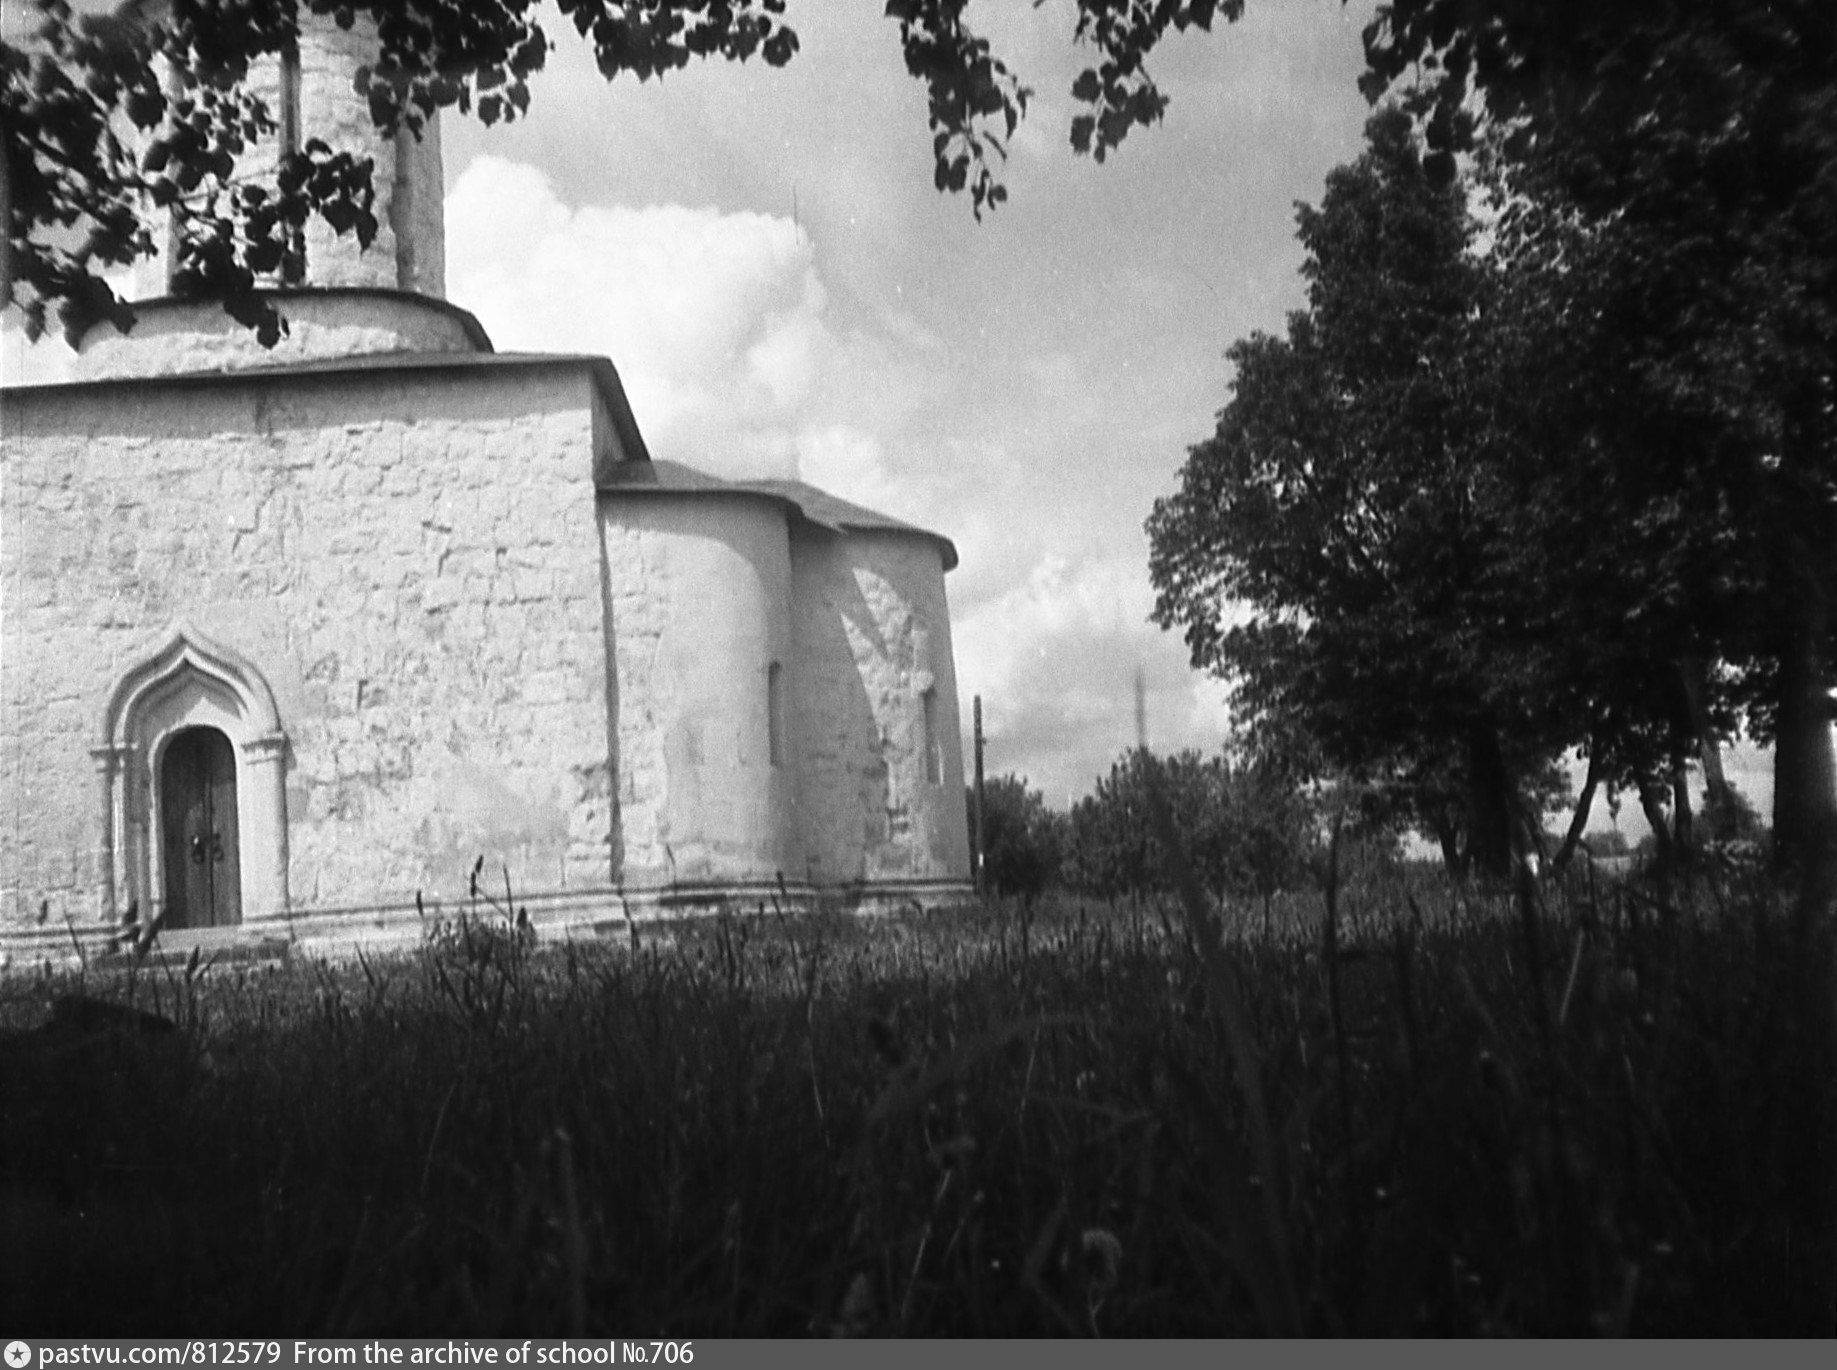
point(764, 258)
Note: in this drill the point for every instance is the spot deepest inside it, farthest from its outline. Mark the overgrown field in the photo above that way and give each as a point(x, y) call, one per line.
point(1434, 1115)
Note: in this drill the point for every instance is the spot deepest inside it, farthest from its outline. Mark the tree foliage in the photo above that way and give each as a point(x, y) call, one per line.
point(1248, 828)
point(1698, 144)
point(1633, 391)
point(1348, 548)
point(1023, 841)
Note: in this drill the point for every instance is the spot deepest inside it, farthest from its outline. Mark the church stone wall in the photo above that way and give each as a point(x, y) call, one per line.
point(902, 579)
point(698, 593)
point(405, 557)
point(880, 768)
point(841, 770)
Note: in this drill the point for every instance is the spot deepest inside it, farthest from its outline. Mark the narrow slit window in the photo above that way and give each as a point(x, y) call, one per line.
point(934, 757)
point(293, 264)
point(290, 100)
point(775, 713)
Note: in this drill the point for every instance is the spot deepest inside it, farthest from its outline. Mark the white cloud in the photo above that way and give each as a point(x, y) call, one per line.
point(1056, 657)
point(715, 320)
point(849, 462)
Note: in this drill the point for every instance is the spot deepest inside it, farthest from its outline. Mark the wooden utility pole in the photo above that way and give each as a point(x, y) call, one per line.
point(976, 855)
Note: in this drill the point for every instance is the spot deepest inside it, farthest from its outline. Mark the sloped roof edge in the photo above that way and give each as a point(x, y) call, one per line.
point(810, 503)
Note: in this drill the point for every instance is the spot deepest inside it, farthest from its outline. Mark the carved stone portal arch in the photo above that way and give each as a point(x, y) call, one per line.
point(186, 681)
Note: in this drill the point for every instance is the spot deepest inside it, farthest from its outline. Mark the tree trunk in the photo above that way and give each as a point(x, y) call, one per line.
point(1683, 833)
point(1716, 791)
point(1490, 803)
point(1453, 858)
point(1652, 804)
point(1579, 823)
point(1805, 841)
point(1804, 776)
point(1694, 677)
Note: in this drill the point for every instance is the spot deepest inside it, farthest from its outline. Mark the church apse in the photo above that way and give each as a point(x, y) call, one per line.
point(699, 593)
point(786, 694)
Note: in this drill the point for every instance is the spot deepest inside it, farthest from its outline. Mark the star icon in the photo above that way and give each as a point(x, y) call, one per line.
point(18, 1355)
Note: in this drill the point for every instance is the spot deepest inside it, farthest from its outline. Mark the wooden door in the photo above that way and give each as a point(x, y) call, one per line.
point(198, 812)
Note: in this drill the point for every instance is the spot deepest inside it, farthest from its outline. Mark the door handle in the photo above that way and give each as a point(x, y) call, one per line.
point(198, 854)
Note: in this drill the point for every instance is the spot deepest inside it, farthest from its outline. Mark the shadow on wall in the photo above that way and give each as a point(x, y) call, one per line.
point(845, 787)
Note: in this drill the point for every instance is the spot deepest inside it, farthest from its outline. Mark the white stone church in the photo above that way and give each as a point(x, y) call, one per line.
point(289, 639)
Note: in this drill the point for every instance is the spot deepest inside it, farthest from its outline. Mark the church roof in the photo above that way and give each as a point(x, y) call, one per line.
point(812, 504)
point(637, 473)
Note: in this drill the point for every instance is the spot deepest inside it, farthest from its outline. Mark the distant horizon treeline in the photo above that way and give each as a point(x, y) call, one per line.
point(1252, 830)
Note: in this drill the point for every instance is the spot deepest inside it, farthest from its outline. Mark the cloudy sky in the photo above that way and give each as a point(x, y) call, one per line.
point(762, 255)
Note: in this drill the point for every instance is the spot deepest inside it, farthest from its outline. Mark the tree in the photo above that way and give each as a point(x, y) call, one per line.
point(1275, 830)
point(1247, 827)
point(1356, 497)
point(1624, 522)
point(1113, 849)
point(1023, 840)
point(1578, 581)
point(1701, 141)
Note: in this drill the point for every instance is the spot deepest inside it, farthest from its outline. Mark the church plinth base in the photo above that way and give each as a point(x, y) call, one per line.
point(584, 915)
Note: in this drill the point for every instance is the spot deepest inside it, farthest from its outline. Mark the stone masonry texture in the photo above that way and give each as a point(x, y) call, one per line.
point(408, 559)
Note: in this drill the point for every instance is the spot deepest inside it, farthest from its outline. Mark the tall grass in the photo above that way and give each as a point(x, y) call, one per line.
point(1401, 1108)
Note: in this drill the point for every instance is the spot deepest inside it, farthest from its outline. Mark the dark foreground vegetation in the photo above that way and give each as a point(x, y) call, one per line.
point(1029, 1121)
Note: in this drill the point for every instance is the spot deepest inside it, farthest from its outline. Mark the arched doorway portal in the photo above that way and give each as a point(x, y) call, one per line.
point(199, 832)
point(190, 777)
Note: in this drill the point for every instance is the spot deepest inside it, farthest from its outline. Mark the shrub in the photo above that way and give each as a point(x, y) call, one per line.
point(1248, 829)
point(1022, 839)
